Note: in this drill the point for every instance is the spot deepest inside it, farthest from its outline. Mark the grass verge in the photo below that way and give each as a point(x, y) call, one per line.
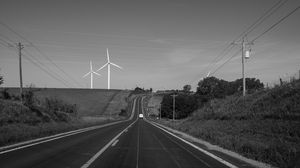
point(265, 126)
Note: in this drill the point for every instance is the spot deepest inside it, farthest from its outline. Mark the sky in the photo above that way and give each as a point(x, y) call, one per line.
point(161, 44)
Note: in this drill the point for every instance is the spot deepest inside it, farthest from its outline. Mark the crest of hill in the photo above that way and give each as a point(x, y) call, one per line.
point(90, 102)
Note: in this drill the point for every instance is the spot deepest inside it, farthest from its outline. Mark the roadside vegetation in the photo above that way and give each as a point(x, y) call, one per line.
point(42, 114)
point(264, 126)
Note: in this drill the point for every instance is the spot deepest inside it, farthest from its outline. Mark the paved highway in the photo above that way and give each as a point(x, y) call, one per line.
point(133, 143)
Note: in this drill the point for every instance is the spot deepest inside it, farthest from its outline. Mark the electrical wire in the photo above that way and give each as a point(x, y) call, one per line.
point(234, 55)
point(262, 18)
point(63, 71)
point(275, 24)
point(45, 67)
point(42, 68)
point(266, 31)
point(251, 28)
point(39, 64)
point(41, 53)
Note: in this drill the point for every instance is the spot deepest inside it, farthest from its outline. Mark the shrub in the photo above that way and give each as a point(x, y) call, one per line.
point(5, 94)
point(11, 112)
point(123, 112)
point(184, 105)
point(28, 98)
point(55, 107)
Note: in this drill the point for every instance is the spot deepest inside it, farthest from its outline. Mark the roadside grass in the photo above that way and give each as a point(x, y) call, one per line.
point(90, 102)
point(119, 102)
point(265, 126)
point(13, 133)
point(44, 115)
point(153, 103)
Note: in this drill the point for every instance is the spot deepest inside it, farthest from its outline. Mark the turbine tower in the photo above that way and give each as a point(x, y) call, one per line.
point(108, 68)
point(91, 72)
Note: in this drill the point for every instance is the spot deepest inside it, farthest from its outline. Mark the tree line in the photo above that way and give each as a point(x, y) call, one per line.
point(208, 88)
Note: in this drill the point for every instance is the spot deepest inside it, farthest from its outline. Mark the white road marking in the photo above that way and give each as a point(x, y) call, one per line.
point(198, 148)
point(195, 156)
point(26, 144)
point(191, 144)
point(89, 162)
point(116, 141)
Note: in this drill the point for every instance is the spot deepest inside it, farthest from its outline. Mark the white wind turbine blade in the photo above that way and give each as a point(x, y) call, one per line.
point(97, 73)
point(116, 65)
point(102, 67)
point(86, 74)
point(107, 54)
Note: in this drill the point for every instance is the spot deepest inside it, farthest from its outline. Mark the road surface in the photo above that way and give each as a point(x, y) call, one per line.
point(135, 143)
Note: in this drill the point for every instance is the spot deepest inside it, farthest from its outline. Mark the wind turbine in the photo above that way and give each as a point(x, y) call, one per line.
point(108, 68)
point(91, 72)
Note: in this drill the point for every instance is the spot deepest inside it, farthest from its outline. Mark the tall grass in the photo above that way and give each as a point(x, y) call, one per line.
point(264, 126)
point(42, 116)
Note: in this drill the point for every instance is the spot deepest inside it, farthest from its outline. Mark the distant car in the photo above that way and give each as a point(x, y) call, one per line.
point(141, 116)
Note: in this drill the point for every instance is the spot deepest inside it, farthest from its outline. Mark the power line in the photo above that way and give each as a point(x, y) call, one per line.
point(41, 53)
point(262, 18)
point(252, 27)
point(41, 64)
point(64, 72)
point(234, 55)
point(42, 68)
point(275, 24)
point(6, 38)
point(38, 63)
point(3, 43)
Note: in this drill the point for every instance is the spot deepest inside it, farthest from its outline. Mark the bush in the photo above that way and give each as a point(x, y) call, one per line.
point(123, 112)
point(184, 105)
point(12, 112)
point(28, 98)
point(55, 107)
point(5, 94)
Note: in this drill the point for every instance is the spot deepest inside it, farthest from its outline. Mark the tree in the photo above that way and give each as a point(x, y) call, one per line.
point(1, 80)
point(187, 88)
point(252, 84)
point(185, 104)
point(212, 87)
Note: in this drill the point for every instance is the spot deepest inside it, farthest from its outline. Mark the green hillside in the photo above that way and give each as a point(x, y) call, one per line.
point(90, 102)
point(52, 111)
point(264, 126)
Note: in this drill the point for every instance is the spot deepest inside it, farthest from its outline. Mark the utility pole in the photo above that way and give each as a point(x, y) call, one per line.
point(244, 44)
point(20, 47)
point(160, 111)
point(174, 95)
point(243, 68)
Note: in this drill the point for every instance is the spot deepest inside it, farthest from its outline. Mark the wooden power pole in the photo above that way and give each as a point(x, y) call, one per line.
point(20, 47)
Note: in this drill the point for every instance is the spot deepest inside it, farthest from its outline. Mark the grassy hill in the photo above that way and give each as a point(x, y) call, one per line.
point(57, 110)
point(90, 102)
point(264, 126)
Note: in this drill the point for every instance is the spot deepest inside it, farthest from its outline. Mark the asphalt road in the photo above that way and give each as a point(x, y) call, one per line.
point(134, 143)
